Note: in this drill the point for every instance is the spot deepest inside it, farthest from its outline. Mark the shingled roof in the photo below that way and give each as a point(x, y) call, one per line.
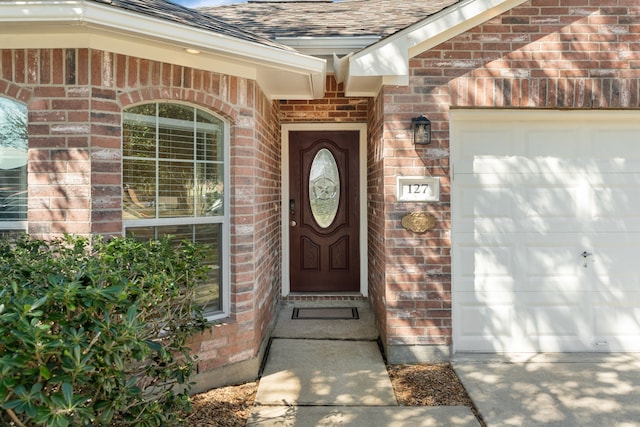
point(158, 30)
point(274, 19)
point(163, 9)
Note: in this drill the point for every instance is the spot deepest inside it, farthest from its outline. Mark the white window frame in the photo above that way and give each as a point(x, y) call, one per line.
point(225, 257)
point(17, 225)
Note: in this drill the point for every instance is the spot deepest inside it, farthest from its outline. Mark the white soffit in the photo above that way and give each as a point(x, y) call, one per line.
point(327, 46)
point(388, 60)
point(83, 24)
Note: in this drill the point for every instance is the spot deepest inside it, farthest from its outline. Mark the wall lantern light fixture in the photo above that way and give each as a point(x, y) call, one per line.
point(421, 130)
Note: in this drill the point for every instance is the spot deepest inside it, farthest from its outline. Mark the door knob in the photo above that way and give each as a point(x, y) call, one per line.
point(585, 254)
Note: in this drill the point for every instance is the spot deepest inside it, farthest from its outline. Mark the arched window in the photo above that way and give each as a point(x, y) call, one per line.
point(174, 179)
point(13, 166)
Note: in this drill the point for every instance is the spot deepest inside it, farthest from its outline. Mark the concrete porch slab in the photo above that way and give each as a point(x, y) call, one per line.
point(363, 328)
point(358, 416)
point(325, 372)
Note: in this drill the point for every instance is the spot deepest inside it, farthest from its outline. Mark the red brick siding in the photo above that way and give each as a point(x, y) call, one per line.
point(542, 54)
point(59, 139)
point(75, 100)
point(377, 274)
point(268, 224)
point(577, 56)
point(333, 107)
point(418, 266)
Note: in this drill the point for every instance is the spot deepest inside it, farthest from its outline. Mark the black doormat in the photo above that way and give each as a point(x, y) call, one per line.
point(328, 313)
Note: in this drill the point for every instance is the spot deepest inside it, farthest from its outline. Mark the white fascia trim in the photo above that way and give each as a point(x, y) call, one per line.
point(456, 20)
point(116, 42)
point(97, 14)
point(402, 80)
point(319, 84)
point(390, 57)
point(91, 14)
point(382, 59)
point(363, 86)
point(42, 11)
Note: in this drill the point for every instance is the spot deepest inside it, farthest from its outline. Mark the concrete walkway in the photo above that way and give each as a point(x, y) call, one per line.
point(553, 389)
point(331, 372)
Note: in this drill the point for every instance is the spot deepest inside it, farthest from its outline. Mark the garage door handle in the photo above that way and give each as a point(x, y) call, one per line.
point(585, 254)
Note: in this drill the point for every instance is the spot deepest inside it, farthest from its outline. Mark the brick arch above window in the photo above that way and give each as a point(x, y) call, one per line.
point(13, 91)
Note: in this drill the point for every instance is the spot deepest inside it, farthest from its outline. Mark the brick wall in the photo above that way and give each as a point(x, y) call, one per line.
point(59, 128)
point(542, 54)
point(417, 266)
point(268, 286)
point(75, 99)
point(572, 55)
point(376, 222)
point(333, 107)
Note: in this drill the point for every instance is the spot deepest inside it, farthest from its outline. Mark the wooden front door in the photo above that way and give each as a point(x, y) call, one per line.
point(324, 211)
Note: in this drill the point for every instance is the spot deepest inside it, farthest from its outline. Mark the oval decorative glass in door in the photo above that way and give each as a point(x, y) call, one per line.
point(324, 188)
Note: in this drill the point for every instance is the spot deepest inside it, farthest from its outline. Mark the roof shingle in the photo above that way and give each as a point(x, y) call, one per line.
point(166, 10)
point(273, 19)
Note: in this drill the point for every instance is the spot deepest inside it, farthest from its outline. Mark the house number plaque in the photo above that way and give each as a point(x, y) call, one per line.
point(418, 189)
point(418, 222)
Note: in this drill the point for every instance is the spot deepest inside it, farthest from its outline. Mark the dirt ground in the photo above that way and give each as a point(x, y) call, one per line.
point(223, 407)
point(414, 385)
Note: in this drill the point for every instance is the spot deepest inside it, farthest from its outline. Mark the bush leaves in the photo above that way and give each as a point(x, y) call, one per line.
point(95, 331)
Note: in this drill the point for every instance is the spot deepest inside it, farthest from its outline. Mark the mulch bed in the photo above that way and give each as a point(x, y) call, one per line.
point(223, 407)
point(414, 385)
point(427, 385)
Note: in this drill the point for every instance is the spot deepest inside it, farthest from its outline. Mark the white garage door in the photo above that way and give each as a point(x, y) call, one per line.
point(545, 231)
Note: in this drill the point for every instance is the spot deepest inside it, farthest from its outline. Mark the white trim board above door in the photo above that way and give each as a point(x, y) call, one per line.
point(286, 252)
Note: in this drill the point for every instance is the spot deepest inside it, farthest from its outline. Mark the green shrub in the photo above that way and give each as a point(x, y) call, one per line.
point(94, 332)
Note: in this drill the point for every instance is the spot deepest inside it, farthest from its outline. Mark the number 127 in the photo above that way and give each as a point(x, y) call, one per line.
point(417, 188)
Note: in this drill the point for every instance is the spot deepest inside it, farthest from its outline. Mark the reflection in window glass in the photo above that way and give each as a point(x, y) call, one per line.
point(173, 170)
point(140, 131)
point(209, 294)
point(13, 166)
point(173, 166)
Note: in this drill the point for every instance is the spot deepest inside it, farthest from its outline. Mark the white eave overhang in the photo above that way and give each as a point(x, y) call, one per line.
point(387, 62)
point(327, 46)
point(281, 73)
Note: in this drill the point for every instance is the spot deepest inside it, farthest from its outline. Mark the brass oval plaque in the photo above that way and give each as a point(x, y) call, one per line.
point(418, 222)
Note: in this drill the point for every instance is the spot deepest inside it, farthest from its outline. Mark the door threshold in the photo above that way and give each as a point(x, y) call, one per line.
point(325, 297)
